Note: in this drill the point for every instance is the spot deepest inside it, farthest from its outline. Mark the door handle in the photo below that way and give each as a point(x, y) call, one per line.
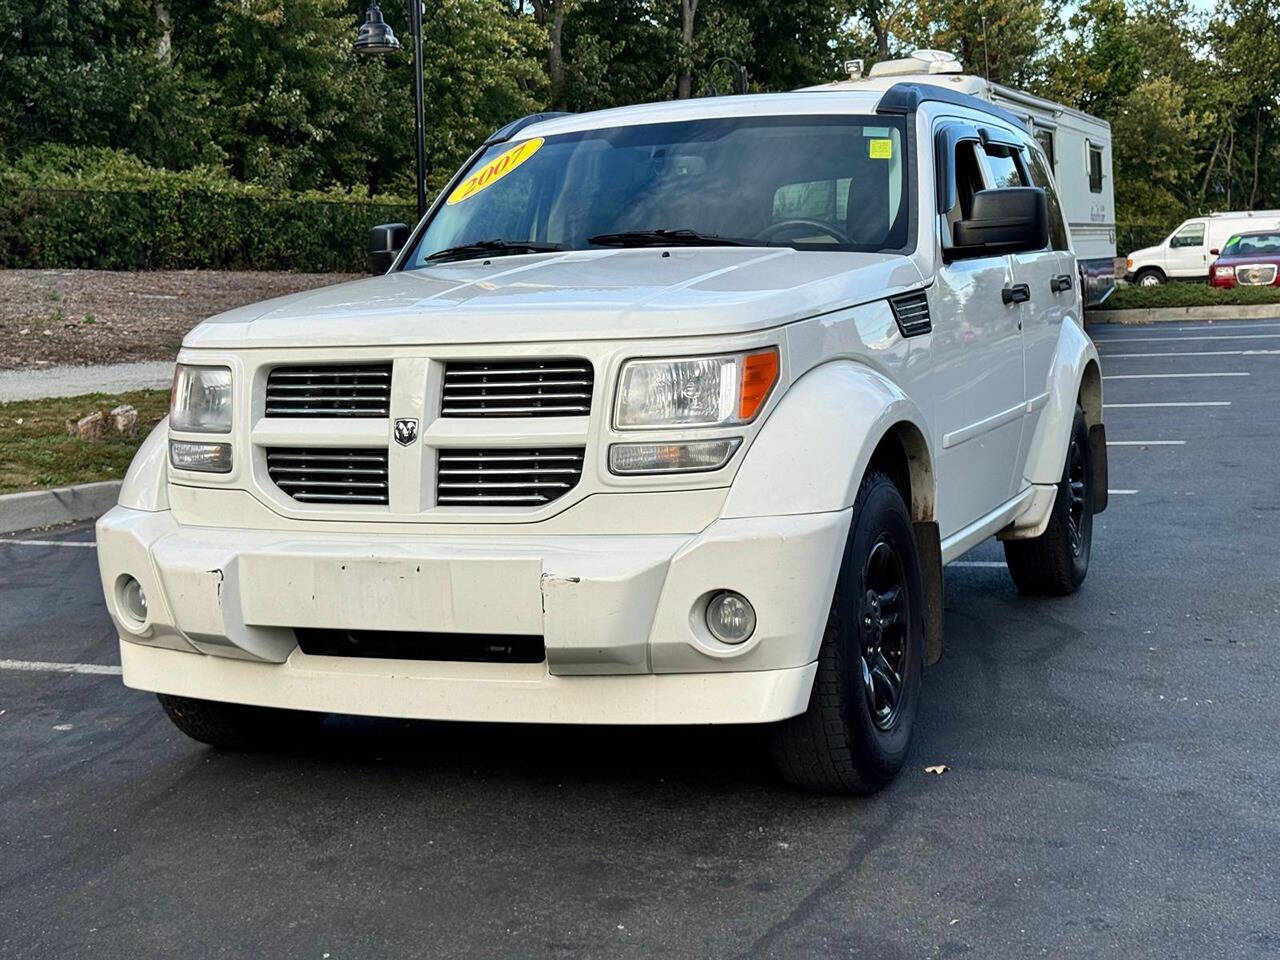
point(1060, 283)
point(1018, 293)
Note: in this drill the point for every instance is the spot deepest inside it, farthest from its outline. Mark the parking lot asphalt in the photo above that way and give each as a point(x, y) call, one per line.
point(1113, 765)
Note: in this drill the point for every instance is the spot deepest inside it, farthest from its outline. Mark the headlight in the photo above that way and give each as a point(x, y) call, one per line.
point(695, 391)
point(1223, 273)
point(201, 399)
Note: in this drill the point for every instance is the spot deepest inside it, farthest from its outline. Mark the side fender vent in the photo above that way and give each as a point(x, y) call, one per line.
point(911, 310)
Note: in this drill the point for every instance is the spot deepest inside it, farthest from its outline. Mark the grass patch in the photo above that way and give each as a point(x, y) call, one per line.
point(36, 452)
point(1128, 297)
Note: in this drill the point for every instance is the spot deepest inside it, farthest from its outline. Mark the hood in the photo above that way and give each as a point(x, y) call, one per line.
point(578, 295)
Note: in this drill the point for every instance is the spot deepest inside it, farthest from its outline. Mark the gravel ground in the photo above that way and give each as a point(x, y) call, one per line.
point(98, 316)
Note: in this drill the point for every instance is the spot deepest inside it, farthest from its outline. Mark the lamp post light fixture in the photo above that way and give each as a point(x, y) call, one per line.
point(738, 71)
point(375, 37)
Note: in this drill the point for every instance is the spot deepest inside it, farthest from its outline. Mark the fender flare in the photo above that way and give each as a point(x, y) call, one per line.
point(815, 448)
point(145, 484)
point(812, 452)
point(1074, 374)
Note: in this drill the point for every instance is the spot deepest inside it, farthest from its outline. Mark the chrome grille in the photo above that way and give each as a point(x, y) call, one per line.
point(329, 391)
point(320, 475)
point(517, 388)
point(1256, 275)
point(506, 478)
point(911, 310)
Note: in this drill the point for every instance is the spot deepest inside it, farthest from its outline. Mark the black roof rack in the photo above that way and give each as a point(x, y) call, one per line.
point(515, 126)
point(904, 98)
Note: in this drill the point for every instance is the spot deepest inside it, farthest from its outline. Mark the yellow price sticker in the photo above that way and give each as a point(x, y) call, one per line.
point(880, 149)
point(493, 171)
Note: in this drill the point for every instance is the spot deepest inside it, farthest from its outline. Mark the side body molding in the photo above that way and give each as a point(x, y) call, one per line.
point(811, 454)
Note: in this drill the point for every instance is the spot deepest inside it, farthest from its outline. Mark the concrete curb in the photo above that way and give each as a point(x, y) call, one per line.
point(43, 508)
point(1261, 311)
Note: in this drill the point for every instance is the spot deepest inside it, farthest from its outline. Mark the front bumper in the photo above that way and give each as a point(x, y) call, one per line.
point(620, 617)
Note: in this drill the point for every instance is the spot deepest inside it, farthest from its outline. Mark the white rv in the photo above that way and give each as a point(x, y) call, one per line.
point(1076, 145)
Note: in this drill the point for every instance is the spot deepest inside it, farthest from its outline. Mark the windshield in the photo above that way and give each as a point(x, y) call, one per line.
point(812, 183)
point(1253, 244)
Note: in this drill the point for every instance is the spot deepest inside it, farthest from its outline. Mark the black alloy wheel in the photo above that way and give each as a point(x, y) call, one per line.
point(884, 631)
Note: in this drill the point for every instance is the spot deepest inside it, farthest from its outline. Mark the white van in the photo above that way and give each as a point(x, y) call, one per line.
point(1077, 146)
point(1187, 252)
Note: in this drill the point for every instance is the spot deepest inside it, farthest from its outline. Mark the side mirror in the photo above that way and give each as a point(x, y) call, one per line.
point(1214, 252)
point(385, 241)
point(1004, 220)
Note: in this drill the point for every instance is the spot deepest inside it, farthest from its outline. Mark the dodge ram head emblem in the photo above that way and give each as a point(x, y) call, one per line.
point(406, 432)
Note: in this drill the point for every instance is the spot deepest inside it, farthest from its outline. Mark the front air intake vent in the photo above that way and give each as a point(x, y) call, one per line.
point(517, 388)
point(506, 478)
point(322, 475)
point(911, 310)
point(329, 391)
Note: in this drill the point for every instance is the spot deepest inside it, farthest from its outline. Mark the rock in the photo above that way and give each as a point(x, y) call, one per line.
point(125, 418)
point(88, 428)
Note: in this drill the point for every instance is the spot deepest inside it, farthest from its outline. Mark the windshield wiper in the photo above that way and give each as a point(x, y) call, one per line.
point(666, 238)
point(492, 246)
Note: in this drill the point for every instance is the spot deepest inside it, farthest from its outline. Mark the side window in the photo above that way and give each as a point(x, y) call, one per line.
point(1040, 178)
point(1189, 235)
point(1095, 168)
point(1044, 137)
point(1003, 168)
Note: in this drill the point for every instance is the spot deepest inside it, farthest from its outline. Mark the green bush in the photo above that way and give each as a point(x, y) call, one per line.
point(1128, 297)
point(104, 209)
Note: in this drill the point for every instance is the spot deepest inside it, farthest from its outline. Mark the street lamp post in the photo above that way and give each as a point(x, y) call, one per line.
point(374, 38)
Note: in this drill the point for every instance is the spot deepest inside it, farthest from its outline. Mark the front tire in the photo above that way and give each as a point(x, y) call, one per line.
point(856, 732)
point(1149, 277)
point(1056, 562)
point(235, 726)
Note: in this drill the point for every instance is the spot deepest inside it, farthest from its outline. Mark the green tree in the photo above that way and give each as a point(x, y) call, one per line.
point(96, 73)
point(1005, 40)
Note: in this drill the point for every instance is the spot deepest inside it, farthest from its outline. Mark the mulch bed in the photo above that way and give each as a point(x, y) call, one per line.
point(97, 316)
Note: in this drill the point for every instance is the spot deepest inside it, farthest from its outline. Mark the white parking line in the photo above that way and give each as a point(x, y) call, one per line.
point(41, 666)
point(51, 543)
point(1166, 376)
point(976, 563)
point(1146, 443)
point(1170, 403)
point(1192, 353)
point(1121, 493)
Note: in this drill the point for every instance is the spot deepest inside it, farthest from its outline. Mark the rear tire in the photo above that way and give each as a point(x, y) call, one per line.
point(1056, 562)
point(235, 726)
point(856, 732)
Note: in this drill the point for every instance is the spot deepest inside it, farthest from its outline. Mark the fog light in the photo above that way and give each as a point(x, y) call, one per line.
point(204, 457)
point(675, 457)
point(730, 618)
point(133, 599)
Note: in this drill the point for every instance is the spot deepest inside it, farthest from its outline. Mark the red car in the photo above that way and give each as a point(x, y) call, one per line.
point(1247, 260)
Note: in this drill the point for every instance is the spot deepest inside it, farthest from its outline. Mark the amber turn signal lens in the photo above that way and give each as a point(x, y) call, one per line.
point(759, 374)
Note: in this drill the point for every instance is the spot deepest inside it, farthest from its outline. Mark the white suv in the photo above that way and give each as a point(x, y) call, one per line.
point(668, 414)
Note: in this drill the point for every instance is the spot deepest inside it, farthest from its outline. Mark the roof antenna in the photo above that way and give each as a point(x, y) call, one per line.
point(986, 50)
